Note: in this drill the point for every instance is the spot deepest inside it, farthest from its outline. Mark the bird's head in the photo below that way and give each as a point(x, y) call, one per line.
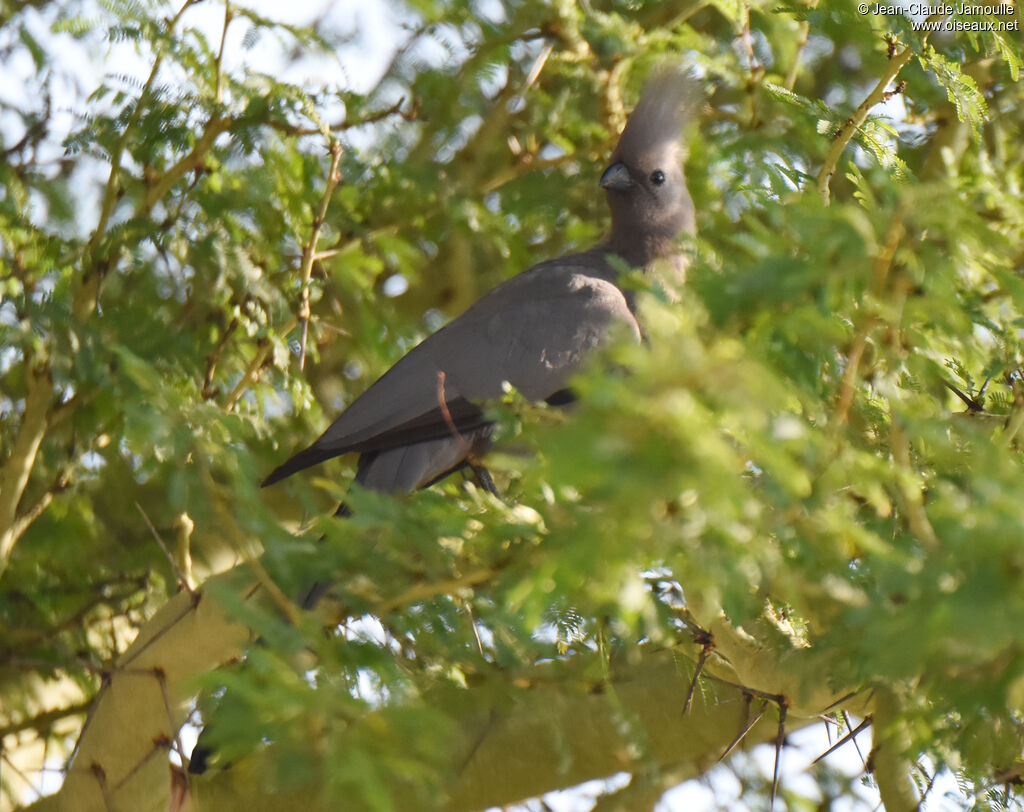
point(650, 204)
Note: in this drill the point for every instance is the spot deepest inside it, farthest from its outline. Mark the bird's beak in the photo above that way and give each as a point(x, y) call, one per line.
point(616, 178)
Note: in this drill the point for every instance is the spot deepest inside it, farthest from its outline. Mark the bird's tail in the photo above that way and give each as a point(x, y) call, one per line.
point(304, 459)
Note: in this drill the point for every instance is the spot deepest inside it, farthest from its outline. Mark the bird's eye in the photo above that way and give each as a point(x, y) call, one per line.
point(657, 177)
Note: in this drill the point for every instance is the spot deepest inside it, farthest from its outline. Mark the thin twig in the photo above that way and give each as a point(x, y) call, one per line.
point(85, 299)
point(215, 127)
point(44, 721)
point(913, 501)
point(22, 523)
point(60, 482)
point(211, 362)
point(535, 69)
point(352, 242)
point(753, 63)
point(219, 65)
point(780, 740)
point(707, 645)
point(33, 135)
point(853, 123)
point(262, 351)
point(840, 701)
point(113, 181)
point(422, 592)
point(18, 772)
point(348, 124)
point(851, 736)
point(309, 249)
point(100, 775)
point(701, 659)
point(882, 265)
point(1011, 776)
point(442, 403)
point(161, 678)
point(805, 30)
point(928, 787)
point(748, 44)
point(778, 699)
point(527, 163)
point(850, 373)
point(182, 578)
point(286, 606)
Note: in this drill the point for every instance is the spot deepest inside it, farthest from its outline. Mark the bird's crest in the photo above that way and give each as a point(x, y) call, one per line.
point(670, 99)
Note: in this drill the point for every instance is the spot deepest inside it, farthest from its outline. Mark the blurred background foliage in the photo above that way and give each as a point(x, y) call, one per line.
point(821, 435)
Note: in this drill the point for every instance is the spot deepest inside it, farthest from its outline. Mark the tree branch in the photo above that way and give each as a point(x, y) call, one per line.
point(16, 470)
point(120, 760)
point(214, 128)
point(42, 722)
point(516, 743)
point(887, 760)
point(853, 123)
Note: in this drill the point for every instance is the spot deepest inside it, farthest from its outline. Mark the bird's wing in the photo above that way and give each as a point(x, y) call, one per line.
point(533, 331)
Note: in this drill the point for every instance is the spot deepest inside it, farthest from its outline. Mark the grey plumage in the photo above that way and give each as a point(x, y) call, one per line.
point(534, 330)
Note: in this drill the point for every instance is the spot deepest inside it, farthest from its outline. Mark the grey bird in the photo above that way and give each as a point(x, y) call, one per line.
point(424, 418)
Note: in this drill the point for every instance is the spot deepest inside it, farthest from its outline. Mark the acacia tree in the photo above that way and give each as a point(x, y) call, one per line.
point(800, 496)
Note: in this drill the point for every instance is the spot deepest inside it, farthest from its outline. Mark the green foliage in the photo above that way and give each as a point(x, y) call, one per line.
point(787, 443)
